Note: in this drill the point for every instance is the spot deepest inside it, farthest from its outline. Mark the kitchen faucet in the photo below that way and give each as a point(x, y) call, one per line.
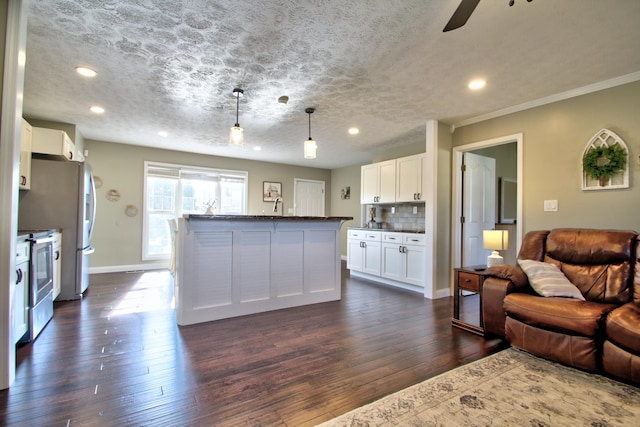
point(275, 204)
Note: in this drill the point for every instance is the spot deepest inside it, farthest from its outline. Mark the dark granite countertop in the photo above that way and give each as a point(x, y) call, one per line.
point(388, 230)
point(267, 218)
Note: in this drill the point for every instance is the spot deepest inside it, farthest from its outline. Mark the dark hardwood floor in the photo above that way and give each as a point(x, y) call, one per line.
point(117, 358)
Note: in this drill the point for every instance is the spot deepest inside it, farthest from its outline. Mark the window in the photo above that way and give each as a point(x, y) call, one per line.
point(173, 190)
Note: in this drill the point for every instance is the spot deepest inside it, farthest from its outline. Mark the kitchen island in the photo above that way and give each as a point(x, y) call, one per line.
point(233, 265)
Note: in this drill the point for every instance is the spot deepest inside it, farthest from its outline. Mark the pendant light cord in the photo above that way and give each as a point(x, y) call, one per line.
point(310, 111)
point(237, 108)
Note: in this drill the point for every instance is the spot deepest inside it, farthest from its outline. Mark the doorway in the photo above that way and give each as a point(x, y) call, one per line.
point(457, 212)
point(308, 197)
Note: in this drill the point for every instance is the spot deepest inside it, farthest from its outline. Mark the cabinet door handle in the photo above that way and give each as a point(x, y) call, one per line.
point(23, 180)
point(20, 275)
point(400, 249)
point(419, 196)
point(56, 256)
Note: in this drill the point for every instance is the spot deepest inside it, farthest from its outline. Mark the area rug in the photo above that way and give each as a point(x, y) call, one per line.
point(510, 388)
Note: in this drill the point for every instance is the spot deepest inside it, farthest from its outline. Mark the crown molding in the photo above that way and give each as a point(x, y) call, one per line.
point(606, 84)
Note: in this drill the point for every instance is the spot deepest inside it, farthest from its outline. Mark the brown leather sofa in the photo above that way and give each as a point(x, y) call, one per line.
point(600, 334)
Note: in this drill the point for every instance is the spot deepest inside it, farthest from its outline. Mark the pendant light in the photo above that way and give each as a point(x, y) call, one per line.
point(236, 135)
point(310, 145)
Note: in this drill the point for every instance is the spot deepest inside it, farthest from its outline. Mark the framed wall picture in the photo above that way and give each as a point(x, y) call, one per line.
point(271, 190)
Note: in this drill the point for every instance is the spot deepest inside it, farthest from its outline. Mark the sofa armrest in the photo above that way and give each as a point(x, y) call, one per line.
point(501, 281)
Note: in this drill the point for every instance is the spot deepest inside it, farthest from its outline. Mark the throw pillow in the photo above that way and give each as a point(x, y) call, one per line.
point(547, 280)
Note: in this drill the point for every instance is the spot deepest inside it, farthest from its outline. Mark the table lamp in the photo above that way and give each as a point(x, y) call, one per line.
point(495, 240)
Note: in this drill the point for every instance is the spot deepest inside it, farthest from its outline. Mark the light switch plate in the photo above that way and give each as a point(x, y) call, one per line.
point(415, 209)
point(550, 205)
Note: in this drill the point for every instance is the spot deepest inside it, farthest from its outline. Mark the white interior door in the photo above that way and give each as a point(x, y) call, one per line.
point(478, 206)
point(309, 197)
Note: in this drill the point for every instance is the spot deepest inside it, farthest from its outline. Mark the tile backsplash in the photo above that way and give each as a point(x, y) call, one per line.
point(398, 217)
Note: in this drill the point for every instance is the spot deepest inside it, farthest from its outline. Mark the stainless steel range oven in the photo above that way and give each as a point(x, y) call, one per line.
point(40, 304)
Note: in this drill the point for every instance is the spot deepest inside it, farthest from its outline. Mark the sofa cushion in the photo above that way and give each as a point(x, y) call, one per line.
point(547, 280)
point(599, 262)
point(559, 314)
point(622, 327)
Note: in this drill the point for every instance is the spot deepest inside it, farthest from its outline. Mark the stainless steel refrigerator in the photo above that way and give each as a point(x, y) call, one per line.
point(62, 196)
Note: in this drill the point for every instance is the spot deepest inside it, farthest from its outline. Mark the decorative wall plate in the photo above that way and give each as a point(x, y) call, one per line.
point(97, 181)
point(113, 195)
point(131, 211)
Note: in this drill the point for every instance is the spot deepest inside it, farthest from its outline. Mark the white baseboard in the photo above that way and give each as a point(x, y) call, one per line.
point(443, 293)
point(125, 268)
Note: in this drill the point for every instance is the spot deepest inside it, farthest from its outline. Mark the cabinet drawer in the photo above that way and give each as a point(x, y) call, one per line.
point(413, 239)
point(469, 282)
point(392, 237)
point(356, 234)
point(372, 236)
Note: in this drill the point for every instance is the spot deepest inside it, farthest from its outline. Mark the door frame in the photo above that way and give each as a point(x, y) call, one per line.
point(456, 213)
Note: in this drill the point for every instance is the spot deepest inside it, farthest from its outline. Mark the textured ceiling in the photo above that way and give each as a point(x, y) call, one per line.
point(384, 66)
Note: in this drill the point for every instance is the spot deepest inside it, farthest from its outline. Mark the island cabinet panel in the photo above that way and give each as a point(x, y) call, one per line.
point(233, 267)
point(251, 267)
point(287, 272)
point(321, 260)
point(210, 265)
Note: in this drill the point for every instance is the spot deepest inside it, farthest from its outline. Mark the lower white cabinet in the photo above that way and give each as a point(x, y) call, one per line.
point(363, 251)
point(392, 258)
point(19, 291)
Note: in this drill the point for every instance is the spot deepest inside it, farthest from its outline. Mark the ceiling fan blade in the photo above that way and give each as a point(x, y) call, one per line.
point(461, 15)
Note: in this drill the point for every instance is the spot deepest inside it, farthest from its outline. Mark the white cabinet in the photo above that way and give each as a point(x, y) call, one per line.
point(19, 291)
point(393, 258)
point(363, 251)
point(25, 155)
point(54, 143)
point(413, 262)
point(403, 258)
point(378, 182)
point(409, 171)
point(57, 263)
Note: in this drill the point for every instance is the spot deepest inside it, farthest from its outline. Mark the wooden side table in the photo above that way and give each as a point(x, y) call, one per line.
point(468, 279)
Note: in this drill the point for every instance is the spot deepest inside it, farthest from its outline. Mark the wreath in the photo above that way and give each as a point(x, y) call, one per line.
point(603, 162)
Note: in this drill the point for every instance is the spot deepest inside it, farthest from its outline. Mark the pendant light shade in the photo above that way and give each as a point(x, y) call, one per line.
point(310, 145)
point(236, 135)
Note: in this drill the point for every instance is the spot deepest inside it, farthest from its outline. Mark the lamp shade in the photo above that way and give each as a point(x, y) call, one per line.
point(310, 147)
point(495, 240)
point(236, 135)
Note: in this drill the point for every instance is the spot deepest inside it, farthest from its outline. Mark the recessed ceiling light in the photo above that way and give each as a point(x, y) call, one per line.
point(163, 133)
point(86, 71)
point(96, 109)
point(477, 84)
point(257, 148)
point(354, 131)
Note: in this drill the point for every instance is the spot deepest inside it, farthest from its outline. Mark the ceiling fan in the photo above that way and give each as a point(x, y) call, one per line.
point(463, 12)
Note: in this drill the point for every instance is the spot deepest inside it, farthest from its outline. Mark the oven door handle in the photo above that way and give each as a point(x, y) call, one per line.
point(40, 240)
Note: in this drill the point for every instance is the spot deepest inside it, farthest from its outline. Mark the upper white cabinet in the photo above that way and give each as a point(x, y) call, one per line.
point(378, 182)
point(53, 142)
point(409, 172)
point(25, 155)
